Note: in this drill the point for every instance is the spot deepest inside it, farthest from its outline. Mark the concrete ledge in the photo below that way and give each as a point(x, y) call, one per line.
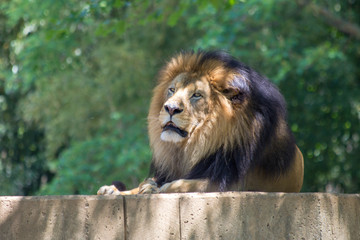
point(230, 215)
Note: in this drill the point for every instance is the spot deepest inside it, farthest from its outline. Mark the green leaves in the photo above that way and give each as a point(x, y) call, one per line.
point(87, 165)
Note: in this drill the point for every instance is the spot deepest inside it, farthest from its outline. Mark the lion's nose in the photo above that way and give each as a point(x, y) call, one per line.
point(172, 109)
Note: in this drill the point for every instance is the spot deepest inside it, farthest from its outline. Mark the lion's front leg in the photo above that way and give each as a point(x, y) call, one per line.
point(112, 190)
point(149, 186)
point(187, 185)
point(146, 187)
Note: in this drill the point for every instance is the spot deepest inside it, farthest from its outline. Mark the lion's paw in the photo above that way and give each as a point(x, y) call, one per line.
point(149, 186)
point(108, 190)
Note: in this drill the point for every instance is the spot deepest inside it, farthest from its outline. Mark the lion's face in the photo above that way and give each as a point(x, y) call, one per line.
point(187, 104)
point(197, 108)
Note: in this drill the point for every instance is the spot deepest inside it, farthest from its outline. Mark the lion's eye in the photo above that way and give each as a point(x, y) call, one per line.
point(196, 95)
point(171, 90)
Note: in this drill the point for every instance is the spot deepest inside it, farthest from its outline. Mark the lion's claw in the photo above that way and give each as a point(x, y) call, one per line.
point(108, 190)
point(148, 186)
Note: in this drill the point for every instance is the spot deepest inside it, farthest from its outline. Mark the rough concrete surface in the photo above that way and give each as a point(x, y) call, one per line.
point(230, 215)
point(61, 217)
point(154, 216)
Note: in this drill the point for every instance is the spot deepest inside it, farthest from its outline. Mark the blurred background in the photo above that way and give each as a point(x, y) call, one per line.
point(76, 78)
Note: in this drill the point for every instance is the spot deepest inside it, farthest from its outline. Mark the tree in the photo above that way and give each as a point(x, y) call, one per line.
point(22, 158)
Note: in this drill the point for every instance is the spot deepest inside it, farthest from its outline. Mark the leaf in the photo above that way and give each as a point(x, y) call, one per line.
point(173, 18)
point(120, 27)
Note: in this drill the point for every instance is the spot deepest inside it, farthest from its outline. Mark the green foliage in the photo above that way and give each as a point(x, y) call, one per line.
point(22, 148)
point(88, 164)
point(76, 80)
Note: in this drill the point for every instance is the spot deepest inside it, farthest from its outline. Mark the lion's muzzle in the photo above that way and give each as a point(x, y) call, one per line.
point(170, 126)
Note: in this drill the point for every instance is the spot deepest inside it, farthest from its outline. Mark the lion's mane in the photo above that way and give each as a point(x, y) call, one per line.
point(246, 126)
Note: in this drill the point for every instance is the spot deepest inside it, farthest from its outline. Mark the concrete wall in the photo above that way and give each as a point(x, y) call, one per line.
point(230, 215)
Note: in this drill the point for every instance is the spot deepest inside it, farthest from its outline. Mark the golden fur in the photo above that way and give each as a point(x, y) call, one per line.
point(216, 127)
point(199, 96)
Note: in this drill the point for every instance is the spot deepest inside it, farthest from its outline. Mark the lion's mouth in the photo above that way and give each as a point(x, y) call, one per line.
point(170, 126)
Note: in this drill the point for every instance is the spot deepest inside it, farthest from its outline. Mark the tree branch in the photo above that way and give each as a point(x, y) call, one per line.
point(333, 20)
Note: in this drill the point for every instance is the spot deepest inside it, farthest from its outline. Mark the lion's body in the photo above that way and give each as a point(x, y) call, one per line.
point(216, 125)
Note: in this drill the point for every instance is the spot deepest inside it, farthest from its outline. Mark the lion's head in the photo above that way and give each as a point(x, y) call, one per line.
point(209, 109)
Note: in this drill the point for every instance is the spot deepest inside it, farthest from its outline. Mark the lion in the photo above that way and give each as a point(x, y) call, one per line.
point(215, 124)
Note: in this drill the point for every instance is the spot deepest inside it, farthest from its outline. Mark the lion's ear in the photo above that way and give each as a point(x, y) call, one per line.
point(235, 95)
point(237, 89)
